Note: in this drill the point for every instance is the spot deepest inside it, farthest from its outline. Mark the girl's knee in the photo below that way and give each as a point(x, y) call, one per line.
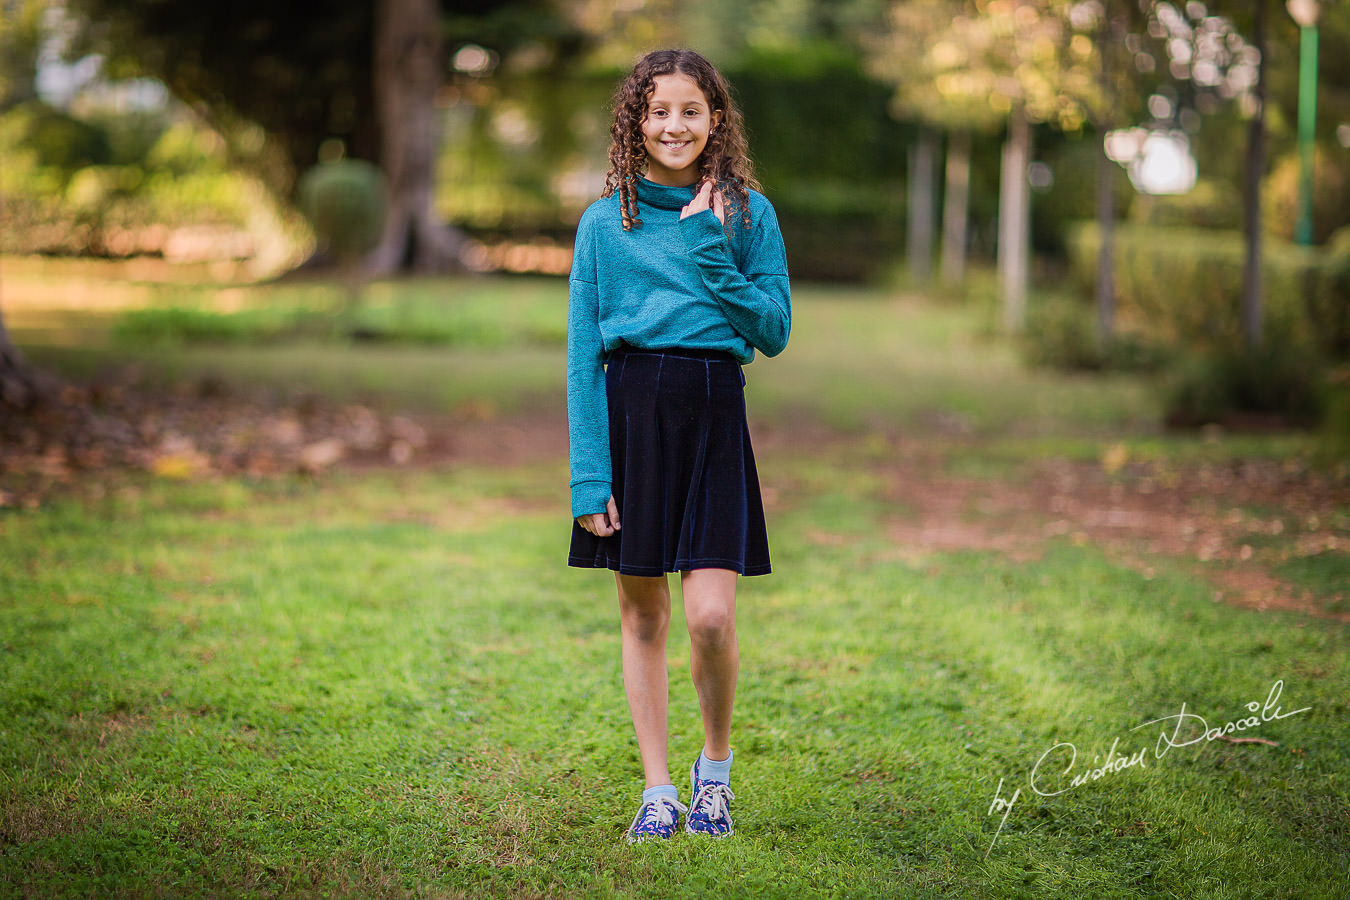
point(711, 627)
point(710, 608)
point(646, 623)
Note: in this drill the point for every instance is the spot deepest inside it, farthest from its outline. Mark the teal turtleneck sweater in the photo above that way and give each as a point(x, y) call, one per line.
point(669, 282)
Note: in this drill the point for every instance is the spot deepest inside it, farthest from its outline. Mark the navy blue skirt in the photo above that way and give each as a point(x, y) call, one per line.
point(684, 473)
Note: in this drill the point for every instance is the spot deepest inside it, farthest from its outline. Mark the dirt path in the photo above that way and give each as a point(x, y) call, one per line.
point(1233, 524)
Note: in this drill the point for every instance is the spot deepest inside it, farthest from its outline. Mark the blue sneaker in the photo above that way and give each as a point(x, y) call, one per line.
point(657, 820)
point(710, 808)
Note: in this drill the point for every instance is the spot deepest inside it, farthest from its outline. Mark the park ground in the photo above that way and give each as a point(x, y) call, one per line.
point(290, 618)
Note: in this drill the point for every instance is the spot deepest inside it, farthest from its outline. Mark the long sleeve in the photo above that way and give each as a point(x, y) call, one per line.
point(757, 301)
point(587, 410)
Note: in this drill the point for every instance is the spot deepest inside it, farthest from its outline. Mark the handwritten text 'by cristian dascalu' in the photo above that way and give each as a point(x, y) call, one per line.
point(1053, 773)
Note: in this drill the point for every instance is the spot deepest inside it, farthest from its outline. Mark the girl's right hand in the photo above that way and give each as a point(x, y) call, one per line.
point(602, 524)
point(706, 198)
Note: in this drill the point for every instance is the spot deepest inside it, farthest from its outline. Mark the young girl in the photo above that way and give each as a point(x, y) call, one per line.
point(679, 275)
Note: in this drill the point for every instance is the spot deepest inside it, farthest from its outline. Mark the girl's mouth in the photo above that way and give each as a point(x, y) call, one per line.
point(676, 145)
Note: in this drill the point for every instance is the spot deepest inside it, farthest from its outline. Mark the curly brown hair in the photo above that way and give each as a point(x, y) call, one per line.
point(726, 158)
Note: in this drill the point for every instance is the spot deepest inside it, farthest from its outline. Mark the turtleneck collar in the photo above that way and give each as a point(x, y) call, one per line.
point(661, 196)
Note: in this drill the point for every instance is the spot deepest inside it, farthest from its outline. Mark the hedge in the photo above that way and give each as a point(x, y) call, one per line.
point(1183, 287)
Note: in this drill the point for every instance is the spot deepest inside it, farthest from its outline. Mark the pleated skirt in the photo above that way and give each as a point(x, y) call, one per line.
point(684, 472)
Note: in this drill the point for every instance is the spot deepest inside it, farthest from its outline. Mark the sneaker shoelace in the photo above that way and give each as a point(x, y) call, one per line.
point(660, 811)
point(713, 800)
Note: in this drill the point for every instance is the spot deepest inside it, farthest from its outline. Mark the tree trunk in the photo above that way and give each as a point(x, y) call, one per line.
point(956, 208)
point(20, 385)
point(922, 163)
point(1105, 288)
point(1014, 221)
point(407, 75)
point(1251, 193)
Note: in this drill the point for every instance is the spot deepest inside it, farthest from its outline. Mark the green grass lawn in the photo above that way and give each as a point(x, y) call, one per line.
point(389, 684)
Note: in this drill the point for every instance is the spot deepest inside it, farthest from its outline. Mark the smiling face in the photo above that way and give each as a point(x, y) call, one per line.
point(676, 129)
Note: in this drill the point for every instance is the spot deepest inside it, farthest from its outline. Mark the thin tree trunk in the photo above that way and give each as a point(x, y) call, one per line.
point(1105, 288)
point(922, 164)
point(1252, 276)
point(956, 208)
point(407, 75)
point(20, 385)
point(1014, 221)
point(16, 383)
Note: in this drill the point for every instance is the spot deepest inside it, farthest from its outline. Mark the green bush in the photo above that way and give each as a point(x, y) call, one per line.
point(61, 141)
point(1183, 287)
point(185, 325)
point(113, 188)
point(1331, 195)
point(465, 322)
point(345, 203)
point(1329, 299)
point(1061, 333)
point(1212, 204)
point(1336, 419)
point(1277, 385)
point(446, 323)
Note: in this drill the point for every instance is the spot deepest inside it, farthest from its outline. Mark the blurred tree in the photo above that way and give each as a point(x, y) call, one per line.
point(20, 41)
point(964, 64)
point(726, 33)
point(1124, 60)
point(898, 56)
point(309, 72)
point(1209, 59)
point(409, 68)
point(1253, 276)
point(20, 384)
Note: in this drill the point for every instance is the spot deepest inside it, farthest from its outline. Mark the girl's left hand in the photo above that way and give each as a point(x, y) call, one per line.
point(706, 198)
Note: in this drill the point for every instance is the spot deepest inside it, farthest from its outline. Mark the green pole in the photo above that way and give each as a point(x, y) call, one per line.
point(1307, 128)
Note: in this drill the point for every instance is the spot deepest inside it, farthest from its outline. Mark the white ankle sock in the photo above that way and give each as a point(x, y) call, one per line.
point(714, 769)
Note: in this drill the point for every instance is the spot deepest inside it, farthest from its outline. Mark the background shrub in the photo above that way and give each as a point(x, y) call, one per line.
point(121, 185)
point(1061, 333)
point(1212, 204)
point(1331, 195)
point(1276, 385)
point(1183, 287)
point(1336, 416)
point(344, 201)
point(186, 325)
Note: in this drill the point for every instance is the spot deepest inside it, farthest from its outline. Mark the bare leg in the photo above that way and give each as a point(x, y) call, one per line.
point(710, 612)
point(644, 621)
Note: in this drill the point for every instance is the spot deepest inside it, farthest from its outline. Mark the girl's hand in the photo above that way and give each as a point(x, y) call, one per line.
point(706, 198)
point(601, 524)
